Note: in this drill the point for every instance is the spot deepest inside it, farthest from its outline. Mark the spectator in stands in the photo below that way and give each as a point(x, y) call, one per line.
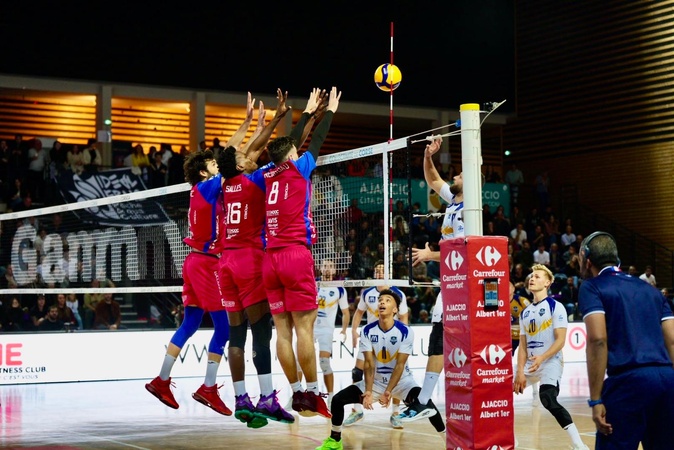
point(39, 311)
point(74, 304)
point(354, 213)
point(541, 189)
point(525, 256)
point(158, 171)
point(17, 318)
point(7, 281)
point(15, 196)
point(569, 298)
point(632, 270)
point(518, 276)
point(514, 178)
point(65, 313)
point(568, 238)
point(542, 256)
point(501, 224)
point(75, 159)
point(533, 220)
point(516, 216)
point(91, 300)
point(556, 258)
point(37, 164)
point(518, 235)
point(175, 166)
point(216, 148)
point(648, 276)
point(108, 314)
point(552, 233)
point(52, 321)
point(92, 156)
point(139, 158)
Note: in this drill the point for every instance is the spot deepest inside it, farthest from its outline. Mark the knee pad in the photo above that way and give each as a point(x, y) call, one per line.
point(188, 327)
point(325, 365)
point(261, 330)
point(237, 335)
point(356, 375)
point(548, 395)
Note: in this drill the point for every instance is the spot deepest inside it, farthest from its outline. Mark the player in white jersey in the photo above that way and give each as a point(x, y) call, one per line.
point(452, 227)
point(543, 327)
point(386, 345)
point(329, 300)
point(369, 303)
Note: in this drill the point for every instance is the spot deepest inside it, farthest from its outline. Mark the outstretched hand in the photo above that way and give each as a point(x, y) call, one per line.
point(420, 255)
point(333, 101)
point(433, 147)
point(282, 107)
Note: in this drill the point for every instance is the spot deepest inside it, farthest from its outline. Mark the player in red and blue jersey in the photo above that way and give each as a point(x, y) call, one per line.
point(200, 271)
point(240, 272)
point(288, 266)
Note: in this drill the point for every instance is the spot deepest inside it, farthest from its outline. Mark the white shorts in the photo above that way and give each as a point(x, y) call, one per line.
point(324, 336)
point(404, 386)
point(550, 372)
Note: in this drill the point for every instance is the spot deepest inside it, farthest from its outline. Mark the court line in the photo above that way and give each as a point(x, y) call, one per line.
point(89, 436)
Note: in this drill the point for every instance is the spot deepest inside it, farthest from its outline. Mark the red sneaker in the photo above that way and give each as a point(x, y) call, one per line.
point(309, 404)
point(210, 397)
point(162, 390)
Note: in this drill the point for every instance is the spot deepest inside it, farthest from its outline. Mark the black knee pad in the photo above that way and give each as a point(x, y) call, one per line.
point(548, 395)
point(237, 335)
point(356, 375)
point(261, 330)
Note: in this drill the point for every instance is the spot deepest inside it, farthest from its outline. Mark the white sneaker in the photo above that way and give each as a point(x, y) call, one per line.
point(395, 422)
point(353, 418)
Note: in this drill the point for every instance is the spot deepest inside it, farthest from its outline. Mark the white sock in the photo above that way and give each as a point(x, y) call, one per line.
point(167, 365)
point(358, 407)
point(312, 387)
point(395, 409)
point(296, 387)
point(239, 387)
point(575, 436)
point(430, 380)
point(211, 373)
point(266, 384)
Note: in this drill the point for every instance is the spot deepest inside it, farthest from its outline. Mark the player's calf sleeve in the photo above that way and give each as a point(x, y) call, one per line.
point(220, 333)
point(436, 420)
point(262, 331)
point(548, 395)
point(325, 365)
point(356, 374)
point(346, 396)
point(188, 327)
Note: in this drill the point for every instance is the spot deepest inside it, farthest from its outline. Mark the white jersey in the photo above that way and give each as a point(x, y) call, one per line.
point(369, 302)
point(329, 299)
point(538, 322)
point(452, 223)
point(386, 345)
point(452, 227)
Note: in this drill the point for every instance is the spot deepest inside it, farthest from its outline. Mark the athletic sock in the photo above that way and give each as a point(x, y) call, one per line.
point(266, 384)
point(430, 380)
point(296, 387)
point(239, 388)
point(312, 387)
point(211, 373)
point(167, 365)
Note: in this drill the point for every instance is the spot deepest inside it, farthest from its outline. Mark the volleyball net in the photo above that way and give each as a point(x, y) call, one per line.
point(113, 235)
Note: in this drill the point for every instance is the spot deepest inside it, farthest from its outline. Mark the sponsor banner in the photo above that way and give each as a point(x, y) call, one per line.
point(127, 355)
point(95, 185)
point(370, 192)
point(478, 394)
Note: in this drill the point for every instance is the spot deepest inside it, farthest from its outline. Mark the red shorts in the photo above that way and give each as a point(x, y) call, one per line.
point(200, 286)
point(288, 275)
point(241, 278)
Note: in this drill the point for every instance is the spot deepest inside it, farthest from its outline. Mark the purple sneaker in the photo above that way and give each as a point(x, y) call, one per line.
point(269, 408)
point(245, 412)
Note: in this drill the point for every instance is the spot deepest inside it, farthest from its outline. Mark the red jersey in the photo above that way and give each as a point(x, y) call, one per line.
point(244, 211)
point(288, 201)
point(204, 216)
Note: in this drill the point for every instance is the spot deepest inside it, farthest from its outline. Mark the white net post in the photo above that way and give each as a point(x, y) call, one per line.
point(471, 161)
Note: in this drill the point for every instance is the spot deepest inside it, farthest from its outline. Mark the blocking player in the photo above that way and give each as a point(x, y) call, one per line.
point(386, 345)
point(288, 266)
point(240, 272)
point(369, 303)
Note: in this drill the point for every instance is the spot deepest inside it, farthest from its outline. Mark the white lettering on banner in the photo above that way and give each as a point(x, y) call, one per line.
point(495, 404)
point(463, 417)
point(488, 274)
point(456, 307)
point(457, 277)
point(460, 406)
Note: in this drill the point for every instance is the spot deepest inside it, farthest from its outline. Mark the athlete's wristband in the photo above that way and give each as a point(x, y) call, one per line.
point(593, 403)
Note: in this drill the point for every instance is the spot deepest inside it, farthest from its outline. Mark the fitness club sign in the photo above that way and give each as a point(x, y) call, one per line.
point(477, 345)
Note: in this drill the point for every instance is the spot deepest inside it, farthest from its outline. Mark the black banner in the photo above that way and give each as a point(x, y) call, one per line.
point(97, 185)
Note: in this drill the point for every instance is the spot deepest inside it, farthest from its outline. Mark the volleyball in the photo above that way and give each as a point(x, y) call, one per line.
point(387, 77)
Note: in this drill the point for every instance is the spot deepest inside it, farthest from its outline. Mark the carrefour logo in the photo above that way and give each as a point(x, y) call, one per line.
point(488, 256)
point(457, 357)
point(492, 354)
point(454, 260)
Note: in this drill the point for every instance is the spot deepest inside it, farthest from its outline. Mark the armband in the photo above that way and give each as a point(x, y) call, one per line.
point(593, 403)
